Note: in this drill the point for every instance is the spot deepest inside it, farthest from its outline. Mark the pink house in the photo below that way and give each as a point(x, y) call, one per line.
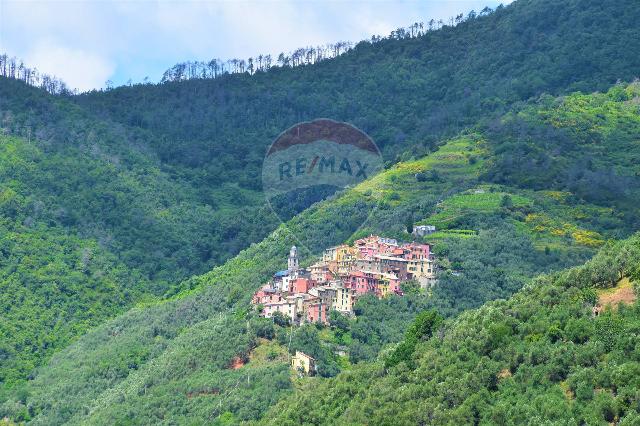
point(368, 247)
point(374, 245)
point(417, 251)
point(266, 295)
point(317, 311)
point(301, 285)
point(359, 283)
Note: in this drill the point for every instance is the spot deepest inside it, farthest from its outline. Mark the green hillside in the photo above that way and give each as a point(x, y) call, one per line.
point(540, 357)
point(103, 181)
point(81, 238)
point(133, 231)
point(170, 361)
point(157, 183)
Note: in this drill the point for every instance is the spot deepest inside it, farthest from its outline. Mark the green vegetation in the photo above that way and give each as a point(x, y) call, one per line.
point(583, 144)
point(538, 357)
point(512, 242)
point(84, 239)
point(476, 201)
point(55, 286)
point(115, 369)
point(114, 205)
point(424, 326)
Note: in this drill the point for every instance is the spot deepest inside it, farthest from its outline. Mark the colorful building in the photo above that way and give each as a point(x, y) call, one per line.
point(420, 265)
point(266, 295)
point(320, 272)
point(301, 285)
point(303, 363)
point(317, 311)
point(373, 265)
point(343, 299)
point(286, 307)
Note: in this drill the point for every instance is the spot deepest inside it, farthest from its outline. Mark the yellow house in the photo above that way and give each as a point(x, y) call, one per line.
point(383, 286)
point(345, 252)
point(423, 271)
point(303, 363)
point(343, 300)
point(340, 259)
point(346, 257)
point(339, 253)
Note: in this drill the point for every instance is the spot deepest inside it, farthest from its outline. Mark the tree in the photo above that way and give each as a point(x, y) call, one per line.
point(281, 319)
point(409, 223)
point(506, 202)
point(338, 320)
point(423, 327)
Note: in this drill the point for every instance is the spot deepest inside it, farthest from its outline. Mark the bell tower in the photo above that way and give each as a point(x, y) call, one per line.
point(293, 260)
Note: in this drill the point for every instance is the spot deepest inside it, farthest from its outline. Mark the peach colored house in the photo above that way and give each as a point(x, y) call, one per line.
point(266, 294)
point(288, 308)
point(300, 285)
point(421, 265)
point(303, 363)
point(320, 272)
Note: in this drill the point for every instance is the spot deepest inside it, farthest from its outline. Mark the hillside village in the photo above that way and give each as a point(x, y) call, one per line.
point(372, 265)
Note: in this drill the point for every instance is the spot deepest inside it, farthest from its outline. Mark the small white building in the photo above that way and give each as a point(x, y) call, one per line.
point(423, 230)
point(287, 307)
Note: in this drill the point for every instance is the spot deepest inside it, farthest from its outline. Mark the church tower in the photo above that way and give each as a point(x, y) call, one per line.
point(293, 260)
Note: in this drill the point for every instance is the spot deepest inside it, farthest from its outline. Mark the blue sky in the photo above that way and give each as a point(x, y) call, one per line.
point(88, 42)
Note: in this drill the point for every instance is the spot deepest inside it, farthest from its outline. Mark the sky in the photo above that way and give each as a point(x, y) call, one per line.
point(86, 43)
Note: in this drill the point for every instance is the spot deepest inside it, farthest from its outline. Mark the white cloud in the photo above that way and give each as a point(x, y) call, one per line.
point(80, 69)
point(87, 42)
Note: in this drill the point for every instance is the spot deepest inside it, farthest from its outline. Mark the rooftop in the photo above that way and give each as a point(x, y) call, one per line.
point(381, 256)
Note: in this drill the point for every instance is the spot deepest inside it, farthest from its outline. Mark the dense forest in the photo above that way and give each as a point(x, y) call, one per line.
point(496, 237)
point(133, 229)
point(538, 357)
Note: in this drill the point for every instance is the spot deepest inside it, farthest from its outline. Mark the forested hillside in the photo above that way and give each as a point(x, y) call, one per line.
point(165, 178)
point(406, 94)
point(495, 236)
point(539, 357)
point(92, 224)
point(133, 229)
